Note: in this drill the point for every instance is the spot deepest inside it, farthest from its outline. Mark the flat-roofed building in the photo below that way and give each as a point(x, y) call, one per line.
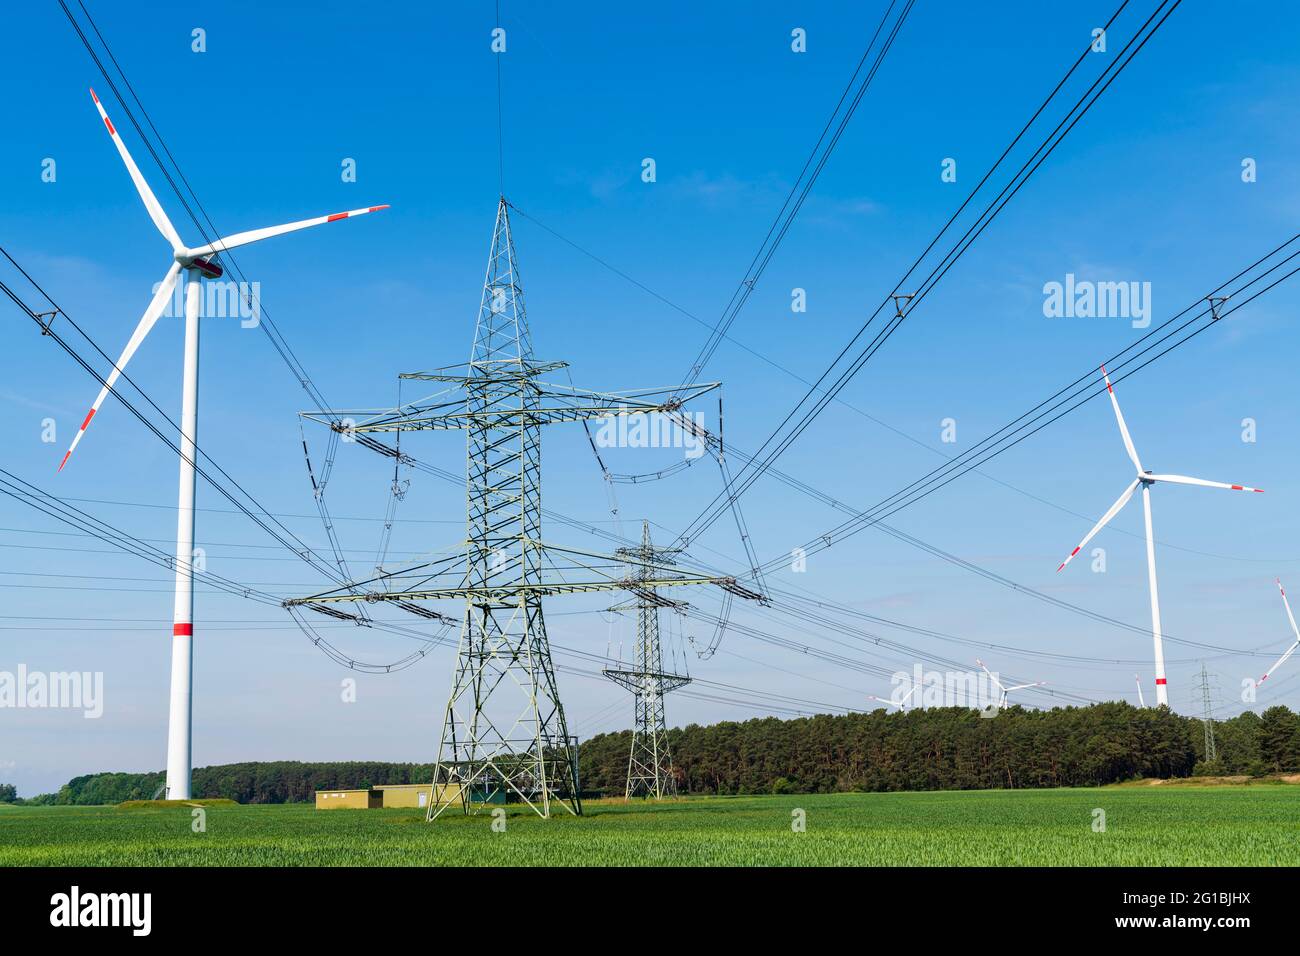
point(347, 799)
point(414, 794)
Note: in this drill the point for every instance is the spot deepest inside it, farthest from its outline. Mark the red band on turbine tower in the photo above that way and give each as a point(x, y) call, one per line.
point(1161, 680)
point(182, 630)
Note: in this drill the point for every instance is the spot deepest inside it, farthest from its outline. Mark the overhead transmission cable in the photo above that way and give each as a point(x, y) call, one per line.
point(816, 398)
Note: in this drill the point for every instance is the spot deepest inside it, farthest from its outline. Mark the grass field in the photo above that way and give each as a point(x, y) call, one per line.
point(1152, 826)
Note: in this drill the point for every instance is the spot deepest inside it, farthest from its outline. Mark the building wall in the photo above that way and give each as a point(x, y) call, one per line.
point(415, 795)
point(346, 799)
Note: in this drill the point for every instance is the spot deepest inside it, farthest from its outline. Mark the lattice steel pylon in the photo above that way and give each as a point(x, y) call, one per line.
point(650, 763)
point(1207, 718)
point(504, 733)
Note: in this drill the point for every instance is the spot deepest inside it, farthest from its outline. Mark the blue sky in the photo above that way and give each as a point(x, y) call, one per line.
point(1147, 188)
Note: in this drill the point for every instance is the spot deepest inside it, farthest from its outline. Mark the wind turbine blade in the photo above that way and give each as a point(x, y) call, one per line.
point(992, 676)
point(1290, 650)
point(147, 322)
point(1037, 683)
point(1184, 480)
point(1114, 510)
point(881, 700)
point(1287, 605)
point(257, 235)
point(1123, 428)
point(150, 200)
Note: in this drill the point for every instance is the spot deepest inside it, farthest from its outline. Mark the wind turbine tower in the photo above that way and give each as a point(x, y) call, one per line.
point(1145, 480)
point(196, 264)
point(650, 764)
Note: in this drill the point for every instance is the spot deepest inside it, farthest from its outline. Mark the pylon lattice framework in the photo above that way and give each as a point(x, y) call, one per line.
point(650, 763)
point(504, 733)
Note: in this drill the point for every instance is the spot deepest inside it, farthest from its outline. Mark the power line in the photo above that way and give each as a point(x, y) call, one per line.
point(779, 441)
point(1081, 390)
point(781, 224)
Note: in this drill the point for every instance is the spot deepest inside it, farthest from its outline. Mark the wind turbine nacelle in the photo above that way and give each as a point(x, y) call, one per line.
point(208, 268)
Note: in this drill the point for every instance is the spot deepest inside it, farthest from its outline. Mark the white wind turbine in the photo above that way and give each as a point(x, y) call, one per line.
point(900, 704)
point(1146, 479)
point(197, 264)
point(1002, 700)
point(1141, 702)
point(1290, 650)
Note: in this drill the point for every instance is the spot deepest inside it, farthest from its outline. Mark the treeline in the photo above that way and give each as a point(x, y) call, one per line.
point(934, 749)
point(281, 781)
point(955, 749)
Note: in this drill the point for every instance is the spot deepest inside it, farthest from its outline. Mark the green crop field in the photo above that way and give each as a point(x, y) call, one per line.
point(1153, 826)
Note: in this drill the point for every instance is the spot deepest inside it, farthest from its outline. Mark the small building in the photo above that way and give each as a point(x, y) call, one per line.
point(414, 794)
point(347, 800)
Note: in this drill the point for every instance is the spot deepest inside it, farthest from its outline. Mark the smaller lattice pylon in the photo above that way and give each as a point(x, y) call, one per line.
point(650, 763)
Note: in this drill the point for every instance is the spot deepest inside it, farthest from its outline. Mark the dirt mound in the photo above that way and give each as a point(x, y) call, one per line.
point(155, 804)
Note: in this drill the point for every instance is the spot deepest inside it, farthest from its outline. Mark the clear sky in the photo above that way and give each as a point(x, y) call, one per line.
point(1147, 188)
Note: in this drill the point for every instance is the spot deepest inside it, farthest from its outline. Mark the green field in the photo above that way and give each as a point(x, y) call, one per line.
point(1148, 826)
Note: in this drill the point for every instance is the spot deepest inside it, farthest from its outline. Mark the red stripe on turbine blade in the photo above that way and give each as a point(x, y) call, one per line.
point(66, 456)
point(182, 630)
point(1161, 680)
point(377, 208)
point(336, 216)
point(1238, 488)
point(109, 123)
point(93, 96)
point(89, 415)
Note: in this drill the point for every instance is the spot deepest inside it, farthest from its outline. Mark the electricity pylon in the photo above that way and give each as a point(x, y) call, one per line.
point(504, 733)
point(1207, 706)
point(650, 764)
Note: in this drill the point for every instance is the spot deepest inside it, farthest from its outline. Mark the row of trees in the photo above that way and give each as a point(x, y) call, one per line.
point(281, 781)
point(956, 749)
point(933, 749)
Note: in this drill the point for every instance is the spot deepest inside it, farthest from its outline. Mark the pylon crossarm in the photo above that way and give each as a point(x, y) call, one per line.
point(635, 681)
point(482, 371)
point(501, 594)
point(564, 404)
point(635, 557)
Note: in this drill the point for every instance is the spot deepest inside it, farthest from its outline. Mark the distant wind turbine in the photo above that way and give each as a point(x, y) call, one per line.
point(198, 264)
point(1141, 702)
point(900, 704)
point(1002, 700)
point(1146, 479)
point(1290, 650)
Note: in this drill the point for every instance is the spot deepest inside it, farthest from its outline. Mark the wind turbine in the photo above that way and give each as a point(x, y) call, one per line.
point(900, 704)
point(1002, 701)
point(1290, 650)
point(197, 264)
point(1146, 479)
point(1141, 702)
